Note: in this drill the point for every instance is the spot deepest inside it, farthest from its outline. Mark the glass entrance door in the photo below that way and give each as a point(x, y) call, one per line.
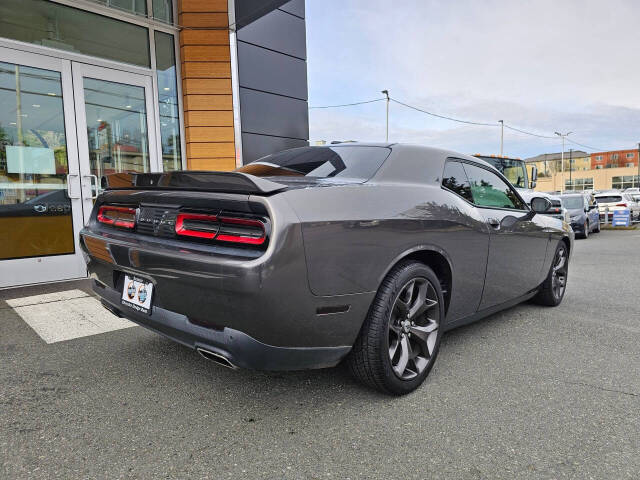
point(40, 204)
point(116, 131)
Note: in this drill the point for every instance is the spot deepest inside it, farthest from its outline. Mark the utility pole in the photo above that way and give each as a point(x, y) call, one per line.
point(562, 158)
point(501, 135)
point(570, 167)
point(386, 92)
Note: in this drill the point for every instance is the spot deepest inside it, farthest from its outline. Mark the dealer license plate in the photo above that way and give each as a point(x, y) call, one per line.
point(136, 294)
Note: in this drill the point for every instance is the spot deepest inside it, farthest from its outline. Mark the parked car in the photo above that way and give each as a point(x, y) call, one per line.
point(615, 200)
point(583, 214)
point(363, 252)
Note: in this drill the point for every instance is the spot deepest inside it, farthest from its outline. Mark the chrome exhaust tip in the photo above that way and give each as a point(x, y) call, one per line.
point(216, 357)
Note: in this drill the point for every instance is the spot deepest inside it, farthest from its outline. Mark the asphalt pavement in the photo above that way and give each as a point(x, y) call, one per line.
point(531, 392)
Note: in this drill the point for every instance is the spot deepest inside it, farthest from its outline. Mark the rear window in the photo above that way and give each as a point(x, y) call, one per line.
point(573, 203)
point(609, 199)
point(344, 162)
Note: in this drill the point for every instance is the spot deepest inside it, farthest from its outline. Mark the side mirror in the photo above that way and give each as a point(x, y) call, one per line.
point(534, 177)
point(540, 204)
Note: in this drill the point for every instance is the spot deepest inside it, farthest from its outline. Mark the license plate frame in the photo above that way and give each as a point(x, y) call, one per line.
point(137, 294)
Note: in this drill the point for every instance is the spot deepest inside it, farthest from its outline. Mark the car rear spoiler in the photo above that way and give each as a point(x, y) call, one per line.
point(228, 182)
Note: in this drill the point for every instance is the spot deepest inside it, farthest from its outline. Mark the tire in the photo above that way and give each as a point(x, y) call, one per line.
point(585, 227)
point(395, 350)
point(554, 286)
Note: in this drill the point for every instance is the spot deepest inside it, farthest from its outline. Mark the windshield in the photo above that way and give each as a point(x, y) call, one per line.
point(346, 162)
point(514, 170)
point(573, 203)
point(609, 199)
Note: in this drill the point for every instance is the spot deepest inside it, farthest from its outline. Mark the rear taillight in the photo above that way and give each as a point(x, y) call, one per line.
point(621, 205)
point(124, 217)
point(197, 225)
point(221, 228)
point(241, 230)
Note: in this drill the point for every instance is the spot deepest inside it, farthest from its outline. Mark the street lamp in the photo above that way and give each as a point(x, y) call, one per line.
point(501, 122)
point(386, 92)
point(563, 136)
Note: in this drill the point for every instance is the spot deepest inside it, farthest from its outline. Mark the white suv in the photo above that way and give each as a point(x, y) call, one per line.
point(613, 201)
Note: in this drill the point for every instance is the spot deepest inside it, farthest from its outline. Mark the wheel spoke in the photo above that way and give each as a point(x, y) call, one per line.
point(418, 301)
point(393, 348)
point(404, 357)
point(422, 334)
point(560, 260)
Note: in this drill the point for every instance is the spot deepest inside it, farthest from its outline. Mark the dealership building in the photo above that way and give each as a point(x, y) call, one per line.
point(93, 87)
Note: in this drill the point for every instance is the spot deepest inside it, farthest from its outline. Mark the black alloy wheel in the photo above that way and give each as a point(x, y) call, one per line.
point(553, 288)
point(413, 328)
point(400, 338)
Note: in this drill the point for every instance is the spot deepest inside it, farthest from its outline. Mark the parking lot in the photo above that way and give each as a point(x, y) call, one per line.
point(531, 392)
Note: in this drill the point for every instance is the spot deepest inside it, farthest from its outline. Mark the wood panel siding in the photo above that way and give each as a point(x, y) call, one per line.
point(206, 84)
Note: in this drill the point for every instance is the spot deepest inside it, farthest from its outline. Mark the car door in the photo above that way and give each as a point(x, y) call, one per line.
point(518, 238)
point(591, 207)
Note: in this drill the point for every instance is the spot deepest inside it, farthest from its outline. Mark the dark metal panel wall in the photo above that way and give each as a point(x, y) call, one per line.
point(272, 75)
point(256, 146)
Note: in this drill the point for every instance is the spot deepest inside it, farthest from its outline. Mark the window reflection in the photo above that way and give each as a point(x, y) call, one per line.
point(35, 213)
point(116, 127)
point(168, 102)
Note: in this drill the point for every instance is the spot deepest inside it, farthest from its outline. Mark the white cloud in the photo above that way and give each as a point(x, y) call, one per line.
point(541, 65)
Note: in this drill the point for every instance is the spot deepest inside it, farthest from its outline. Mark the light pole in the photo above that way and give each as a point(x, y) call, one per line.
point(501, 135)
point(563, 136)
point(386, 92)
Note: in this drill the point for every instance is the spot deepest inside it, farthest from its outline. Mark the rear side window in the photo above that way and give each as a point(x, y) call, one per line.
point(455, 179)
point(609, 199)
point(344, 162)
point(489, 190)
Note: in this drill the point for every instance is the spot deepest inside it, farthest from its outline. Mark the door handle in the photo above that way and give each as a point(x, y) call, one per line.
point(94, 185)
point(69, 196)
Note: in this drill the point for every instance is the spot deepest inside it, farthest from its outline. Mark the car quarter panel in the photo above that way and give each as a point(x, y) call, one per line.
point(353, 235)
point(267, 297)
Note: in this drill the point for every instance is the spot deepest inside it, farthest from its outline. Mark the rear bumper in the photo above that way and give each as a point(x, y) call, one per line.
point(237, 347)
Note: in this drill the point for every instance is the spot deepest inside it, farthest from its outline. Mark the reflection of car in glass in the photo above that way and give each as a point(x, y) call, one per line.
point(584, 216)
point(514, 169)
point(53, 202)
point(609, 202)
point(363, 252)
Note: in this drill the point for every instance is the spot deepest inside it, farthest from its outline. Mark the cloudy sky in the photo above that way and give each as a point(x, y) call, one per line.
point(540, 65)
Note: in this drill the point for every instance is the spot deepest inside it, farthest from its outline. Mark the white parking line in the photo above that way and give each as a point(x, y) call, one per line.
point(66, 315)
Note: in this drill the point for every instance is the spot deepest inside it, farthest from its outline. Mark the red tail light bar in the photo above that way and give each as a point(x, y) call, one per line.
point(124, 217)
point(621, 205)
point(221, 228)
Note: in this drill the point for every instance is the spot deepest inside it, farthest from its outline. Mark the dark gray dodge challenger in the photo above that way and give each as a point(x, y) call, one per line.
point(303, 258)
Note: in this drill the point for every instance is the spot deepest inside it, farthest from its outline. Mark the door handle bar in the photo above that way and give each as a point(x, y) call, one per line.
point(69, 175)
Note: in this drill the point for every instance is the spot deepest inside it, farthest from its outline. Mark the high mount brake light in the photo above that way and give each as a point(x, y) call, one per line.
point(221, 228)
point(124, 217)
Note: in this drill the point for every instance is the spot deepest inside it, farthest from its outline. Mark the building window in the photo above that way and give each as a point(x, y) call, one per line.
point(579, 184)
point(627, 181)
point(168, 101)
point(57, 26)
point(138, 7)
point(630, 164)
point(614, 156)
point(598, 167)
point(163, 10)
point(630, 155)
point(599, 158)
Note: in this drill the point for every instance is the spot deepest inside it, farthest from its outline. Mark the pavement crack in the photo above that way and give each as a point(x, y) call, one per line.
point(604, 389)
